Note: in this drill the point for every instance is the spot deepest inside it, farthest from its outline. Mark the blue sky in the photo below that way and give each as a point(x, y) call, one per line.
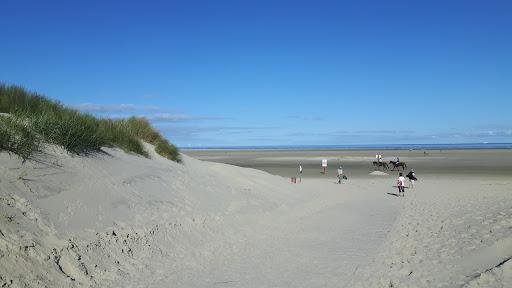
point(220, 73)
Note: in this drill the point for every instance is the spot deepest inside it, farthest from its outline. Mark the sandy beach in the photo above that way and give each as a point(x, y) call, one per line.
point(119, 220)
point(254, 144)
point(358, 163)
point(451, 230)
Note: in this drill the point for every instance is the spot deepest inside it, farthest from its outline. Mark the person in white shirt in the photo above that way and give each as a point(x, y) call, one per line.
point(401, 184)
point(300, 172)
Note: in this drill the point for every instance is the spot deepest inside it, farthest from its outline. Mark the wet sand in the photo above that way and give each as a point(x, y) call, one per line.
point(358, 163)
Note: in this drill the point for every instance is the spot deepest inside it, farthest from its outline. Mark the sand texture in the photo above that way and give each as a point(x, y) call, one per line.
point(118, 220)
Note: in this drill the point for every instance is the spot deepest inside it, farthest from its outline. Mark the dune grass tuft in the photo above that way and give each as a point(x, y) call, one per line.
point(17, 138)
point(35, 119)
point(116, 134)
point(75, 132)
point(167, 150)
point(141, 128)
point(14, 98)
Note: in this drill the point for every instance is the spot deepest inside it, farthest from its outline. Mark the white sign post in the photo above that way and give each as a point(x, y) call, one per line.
point(324, 164)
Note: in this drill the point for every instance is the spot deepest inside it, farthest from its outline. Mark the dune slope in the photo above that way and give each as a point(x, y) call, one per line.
point(104, 220)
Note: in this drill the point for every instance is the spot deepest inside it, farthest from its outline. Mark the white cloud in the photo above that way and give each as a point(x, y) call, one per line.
point(170, 117)
point(152, 113)
point(115, 108)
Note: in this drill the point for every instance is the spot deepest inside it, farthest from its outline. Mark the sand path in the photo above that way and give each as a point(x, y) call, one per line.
point(317, 239)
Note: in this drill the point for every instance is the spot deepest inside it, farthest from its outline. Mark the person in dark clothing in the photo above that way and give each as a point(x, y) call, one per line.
point(412, 177)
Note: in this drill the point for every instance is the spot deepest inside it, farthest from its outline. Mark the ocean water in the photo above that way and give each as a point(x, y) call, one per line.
point(361, 146)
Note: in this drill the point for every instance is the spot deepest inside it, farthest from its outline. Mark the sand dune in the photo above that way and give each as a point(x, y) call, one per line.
point(93, 221)
point(118, 220)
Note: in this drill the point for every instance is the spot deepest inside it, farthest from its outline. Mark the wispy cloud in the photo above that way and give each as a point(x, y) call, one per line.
point(189, 130)
point(383, 132)
point(475, 134)
point(115, 108)
point(396, 136)
point(213, 130)
point(151, 112)
point(345, 133)
point(170, 117)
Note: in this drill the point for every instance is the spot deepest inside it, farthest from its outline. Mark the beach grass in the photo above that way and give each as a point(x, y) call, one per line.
point(141, 128)
point(167, 150)
point(17, 138)
point(116, 134)
point(34, 117)
point(75, 132)
point(15, 98)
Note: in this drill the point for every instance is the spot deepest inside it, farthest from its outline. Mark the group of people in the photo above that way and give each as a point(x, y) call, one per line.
point(379, 159)
point(401, 181)
point(339, 178)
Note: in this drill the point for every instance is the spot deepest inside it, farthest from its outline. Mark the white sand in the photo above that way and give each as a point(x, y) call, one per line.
point(451, 233)
point(378, 173)
point(126, 221)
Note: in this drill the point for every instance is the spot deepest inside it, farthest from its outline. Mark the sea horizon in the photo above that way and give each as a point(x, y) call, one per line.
point(417, 146)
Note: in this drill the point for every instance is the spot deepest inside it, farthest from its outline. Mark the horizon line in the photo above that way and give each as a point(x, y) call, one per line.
point(426, 146)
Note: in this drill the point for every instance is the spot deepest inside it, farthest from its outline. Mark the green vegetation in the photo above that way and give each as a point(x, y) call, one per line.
point(73, 131)
point(35, 119)
point(117, 135)
point(167, 150)
point(17, 138)
point(142, 129)
point(15, 98)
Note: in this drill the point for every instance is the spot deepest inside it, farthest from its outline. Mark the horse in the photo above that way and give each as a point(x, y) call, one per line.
point(383, 164)
point(398, 165)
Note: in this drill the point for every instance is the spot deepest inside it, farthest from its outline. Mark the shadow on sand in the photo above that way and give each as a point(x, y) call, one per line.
point(393, 194)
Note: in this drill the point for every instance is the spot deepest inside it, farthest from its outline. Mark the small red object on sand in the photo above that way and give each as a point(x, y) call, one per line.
point(294, 179)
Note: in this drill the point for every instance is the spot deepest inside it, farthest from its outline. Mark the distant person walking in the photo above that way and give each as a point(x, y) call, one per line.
point(401, 185)
point(300, 172)
point(324, 166)
point(340, 175)
point(412, 177)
